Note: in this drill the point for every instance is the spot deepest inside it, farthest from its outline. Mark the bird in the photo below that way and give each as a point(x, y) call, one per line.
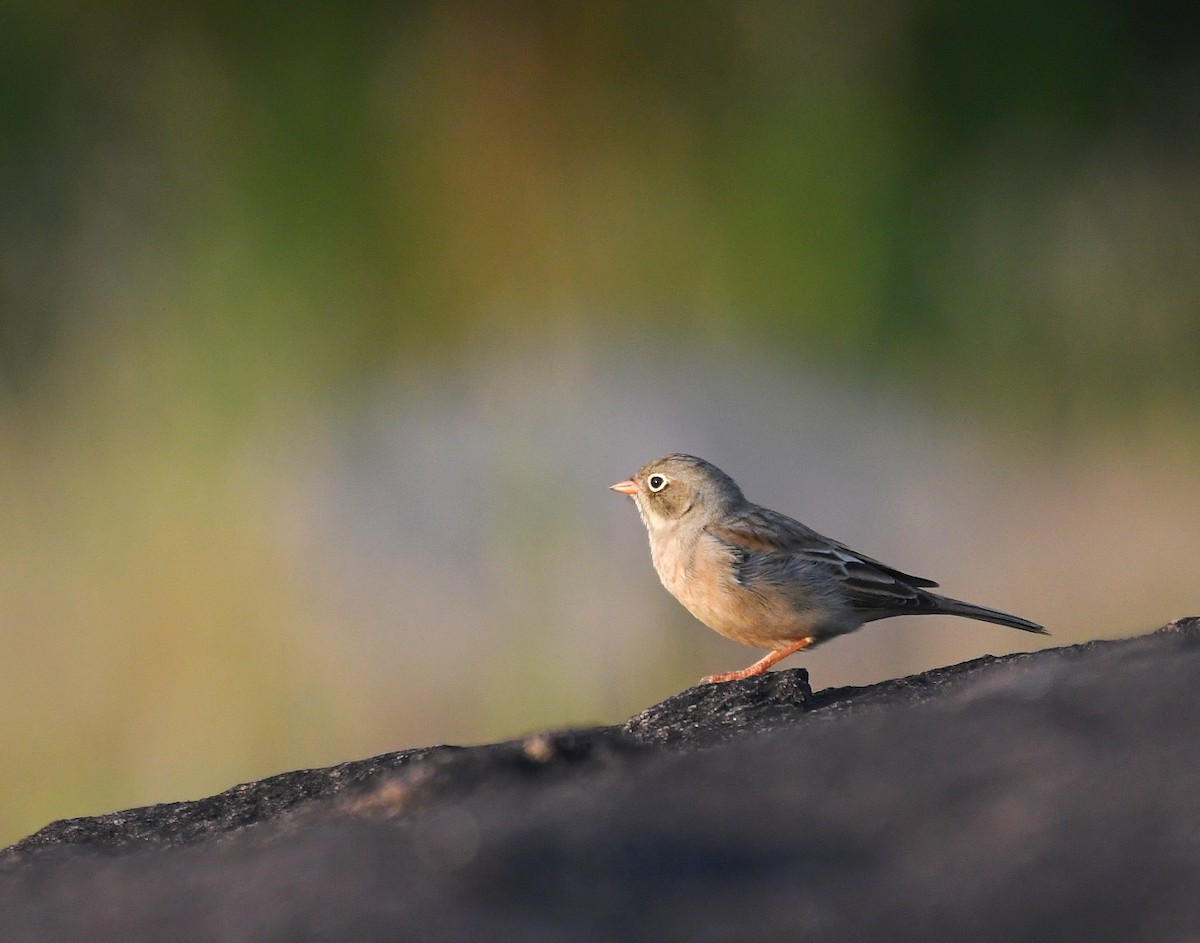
point(763, 579)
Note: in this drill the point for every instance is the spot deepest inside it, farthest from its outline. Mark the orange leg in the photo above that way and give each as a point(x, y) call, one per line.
point(761, 665)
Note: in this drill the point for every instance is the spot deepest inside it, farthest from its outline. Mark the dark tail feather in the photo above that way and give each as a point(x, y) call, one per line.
point(956, 607)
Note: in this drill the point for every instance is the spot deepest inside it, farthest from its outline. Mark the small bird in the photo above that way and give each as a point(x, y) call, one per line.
point(760, 578)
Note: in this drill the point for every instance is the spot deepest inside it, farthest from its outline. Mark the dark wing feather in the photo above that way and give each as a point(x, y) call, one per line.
point(763, 529)
point(868, 584)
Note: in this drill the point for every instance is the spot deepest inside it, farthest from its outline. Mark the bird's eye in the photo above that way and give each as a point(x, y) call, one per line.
point(656, 483)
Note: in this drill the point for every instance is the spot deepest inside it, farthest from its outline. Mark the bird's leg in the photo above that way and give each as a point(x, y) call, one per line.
point(761, 665)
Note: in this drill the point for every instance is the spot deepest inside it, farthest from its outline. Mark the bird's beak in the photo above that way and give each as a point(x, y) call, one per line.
point(628, 486)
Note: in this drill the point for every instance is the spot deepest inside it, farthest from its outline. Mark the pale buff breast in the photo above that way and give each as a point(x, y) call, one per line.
point(700, 574)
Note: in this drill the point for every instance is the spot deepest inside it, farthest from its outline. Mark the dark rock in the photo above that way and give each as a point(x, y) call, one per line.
point(1043, 796)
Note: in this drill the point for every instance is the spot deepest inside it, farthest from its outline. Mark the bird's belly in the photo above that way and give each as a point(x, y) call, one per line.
point(709, 590)
point(751, 620)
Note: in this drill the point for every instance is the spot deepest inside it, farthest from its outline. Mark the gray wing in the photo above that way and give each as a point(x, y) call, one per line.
point(766, 541)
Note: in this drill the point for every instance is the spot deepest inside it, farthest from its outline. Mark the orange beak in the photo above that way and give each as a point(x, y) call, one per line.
point(628, 486)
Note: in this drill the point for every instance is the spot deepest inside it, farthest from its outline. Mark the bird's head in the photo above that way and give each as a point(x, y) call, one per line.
point(677, 487)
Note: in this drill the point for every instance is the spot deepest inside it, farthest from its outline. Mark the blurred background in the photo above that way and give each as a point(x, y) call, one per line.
point(324, 330)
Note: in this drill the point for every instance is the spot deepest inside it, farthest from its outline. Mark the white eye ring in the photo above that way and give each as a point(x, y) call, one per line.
point(656, 483)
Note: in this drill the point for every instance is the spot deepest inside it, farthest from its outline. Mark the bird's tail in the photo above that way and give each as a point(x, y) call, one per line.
point(956, 607)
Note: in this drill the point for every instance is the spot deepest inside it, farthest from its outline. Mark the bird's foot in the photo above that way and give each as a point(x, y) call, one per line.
point(761, 665)
point(734, 675)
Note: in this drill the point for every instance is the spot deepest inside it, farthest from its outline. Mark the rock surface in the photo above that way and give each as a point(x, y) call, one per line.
point(1049, 796)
